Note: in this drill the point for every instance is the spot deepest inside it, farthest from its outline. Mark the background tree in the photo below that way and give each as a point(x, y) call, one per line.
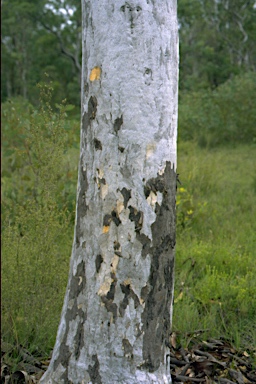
point(116, 319)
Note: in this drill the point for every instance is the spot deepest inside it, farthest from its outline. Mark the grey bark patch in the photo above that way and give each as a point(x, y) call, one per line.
point(128, 349)
point(125, 171)
point(63, 358)
point(128, 293)
point(110, 306)
point(78, 281)
point(156, 315)
point(94, 371)
point(137, 217)
point(118, 123)
point(126, 195)
point(97, 144)
point(98, 262)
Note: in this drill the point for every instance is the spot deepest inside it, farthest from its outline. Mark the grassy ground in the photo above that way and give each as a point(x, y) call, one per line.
point(216, 243)
point(215, 287)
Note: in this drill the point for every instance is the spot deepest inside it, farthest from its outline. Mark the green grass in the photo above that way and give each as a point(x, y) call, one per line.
point(215, 287)
point(216, 243)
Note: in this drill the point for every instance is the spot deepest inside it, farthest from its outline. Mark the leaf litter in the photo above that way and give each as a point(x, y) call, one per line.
point(203, 361)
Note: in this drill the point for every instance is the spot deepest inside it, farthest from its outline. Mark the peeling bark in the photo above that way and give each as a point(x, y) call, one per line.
point(116, 317)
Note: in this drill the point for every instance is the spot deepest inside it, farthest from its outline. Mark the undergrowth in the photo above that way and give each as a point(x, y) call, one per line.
point(36, 221)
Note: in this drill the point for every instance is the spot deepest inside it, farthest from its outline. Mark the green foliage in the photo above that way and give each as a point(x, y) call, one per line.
point(216, 41)
point(37, 222)
point(215, 288)
point(224, 116)
point(47, 38)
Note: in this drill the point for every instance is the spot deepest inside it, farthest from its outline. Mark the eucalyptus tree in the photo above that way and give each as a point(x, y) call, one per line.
point(116, 319)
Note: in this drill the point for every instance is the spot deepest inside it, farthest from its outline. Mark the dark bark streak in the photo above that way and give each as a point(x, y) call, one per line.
point(79, 337)
point(156, 316)
point(81, 204)
point(98, 262)
point(91, 114)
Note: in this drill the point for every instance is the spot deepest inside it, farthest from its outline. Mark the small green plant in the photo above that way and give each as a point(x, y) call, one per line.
point(187, 209)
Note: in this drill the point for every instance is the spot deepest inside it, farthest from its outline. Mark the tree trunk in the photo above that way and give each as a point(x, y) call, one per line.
point(117, 312)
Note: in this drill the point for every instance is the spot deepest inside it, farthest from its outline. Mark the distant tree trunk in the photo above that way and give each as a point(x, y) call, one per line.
point(117, 313)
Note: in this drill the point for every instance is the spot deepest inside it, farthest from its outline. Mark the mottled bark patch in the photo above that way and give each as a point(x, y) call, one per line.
point(115, 218)
point(93, 371)
point(128, 293)
point(156, 316)
point(118, 123)
point(110, 306)
point(137, 217)
point(111, 217)
point(63, 358)
point(109, 298)
point(77, 285)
